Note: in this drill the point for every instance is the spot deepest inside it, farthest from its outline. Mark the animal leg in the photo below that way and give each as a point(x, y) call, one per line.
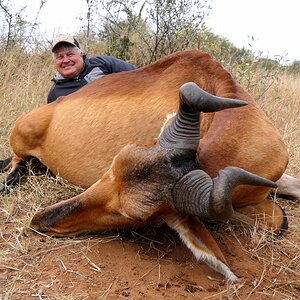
point(18, 171)
point(269, 214)
point(199, 240)
point(288, 187)
point(5, 164)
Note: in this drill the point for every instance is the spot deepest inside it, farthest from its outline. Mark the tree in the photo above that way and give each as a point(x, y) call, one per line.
point(151, 29)
point(293, 68)
point(174, 25)
point(16, 29)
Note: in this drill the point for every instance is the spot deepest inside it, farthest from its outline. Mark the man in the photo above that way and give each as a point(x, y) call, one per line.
point(74, 69)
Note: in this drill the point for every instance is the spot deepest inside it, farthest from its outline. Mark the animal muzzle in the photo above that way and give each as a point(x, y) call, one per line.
point(54, 219)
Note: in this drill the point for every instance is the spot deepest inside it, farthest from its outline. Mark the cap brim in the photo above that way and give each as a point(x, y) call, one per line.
point(62, 42)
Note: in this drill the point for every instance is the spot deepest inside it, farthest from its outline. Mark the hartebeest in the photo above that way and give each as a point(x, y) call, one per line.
point(161, 181)
point(78, 136)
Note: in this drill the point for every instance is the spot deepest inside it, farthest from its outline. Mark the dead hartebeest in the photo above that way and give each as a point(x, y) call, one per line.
point(80, 135)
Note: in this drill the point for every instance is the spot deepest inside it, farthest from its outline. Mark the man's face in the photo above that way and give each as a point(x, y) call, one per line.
point(68, 61)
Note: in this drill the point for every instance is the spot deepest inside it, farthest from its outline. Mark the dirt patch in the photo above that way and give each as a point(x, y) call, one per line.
point(144, 263)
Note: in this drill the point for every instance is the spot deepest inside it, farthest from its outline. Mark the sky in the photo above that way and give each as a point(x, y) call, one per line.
point(273, 24)
point(269, 26)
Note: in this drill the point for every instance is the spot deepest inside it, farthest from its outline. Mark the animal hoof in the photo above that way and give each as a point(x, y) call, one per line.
point(4, 189)
point(1, 166)
point(285, 223)
point(5, 164)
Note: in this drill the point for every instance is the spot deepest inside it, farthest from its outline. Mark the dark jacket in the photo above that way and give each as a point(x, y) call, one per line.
point(94, 67)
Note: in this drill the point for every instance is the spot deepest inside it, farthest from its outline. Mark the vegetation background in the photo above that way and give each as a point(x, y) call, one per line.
point(157, 29)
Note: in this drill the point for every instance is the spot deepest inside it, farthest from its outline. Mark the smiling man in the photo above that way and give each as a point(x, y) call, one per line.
point(75, 69)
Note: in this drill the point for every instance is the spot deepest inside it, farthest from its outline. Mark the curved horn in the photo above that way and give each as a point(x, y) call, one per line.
point(197, 194)
point(184, 130)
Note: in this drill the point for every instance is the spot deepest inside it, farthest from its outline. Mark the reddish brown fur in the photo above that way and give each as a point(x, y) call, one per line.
point(93, 120)
point(78, 136)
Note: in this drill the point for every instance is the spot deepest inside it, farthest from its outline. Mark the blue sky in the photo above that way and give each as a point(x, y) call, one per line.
point(270, 26)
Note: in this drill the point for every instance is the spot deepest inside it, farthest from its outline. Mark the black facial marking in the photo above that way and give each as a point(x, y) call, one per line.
point(53, 215)
point(152, 174)
point(184, 160)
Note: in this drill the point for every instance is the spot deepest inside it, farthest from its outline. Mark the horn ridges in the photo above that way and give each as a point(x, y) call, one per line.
point(184, 130)
point(197, 194)
point(191, 194)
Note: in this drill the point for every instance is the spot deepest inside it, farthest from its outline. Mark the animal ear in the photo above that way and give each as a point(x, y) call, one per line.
point(183, 132)
point(197, 194)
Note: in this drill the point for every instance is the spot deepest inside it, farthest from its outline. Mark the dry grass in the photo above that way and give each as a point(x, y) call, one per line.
point(282, 104)
point(25, 82)
point(148, 263)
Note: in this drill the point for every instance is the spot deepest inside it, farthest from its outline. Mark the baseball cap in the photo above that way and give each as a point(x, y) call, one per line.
point(64, 38)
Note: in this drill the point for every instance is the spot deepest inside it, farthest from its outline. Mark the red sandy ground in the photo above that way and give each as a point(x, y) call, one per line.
point(146, 263)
